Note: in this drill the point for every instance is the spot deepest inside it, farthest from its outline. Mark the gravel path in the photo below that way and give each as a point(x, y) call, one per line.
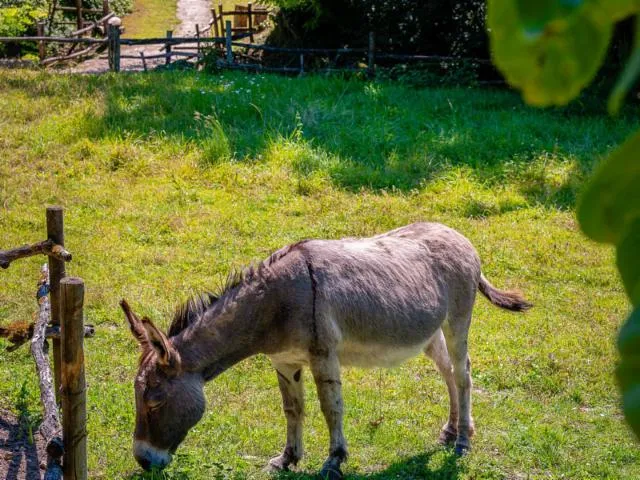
point(189, 12)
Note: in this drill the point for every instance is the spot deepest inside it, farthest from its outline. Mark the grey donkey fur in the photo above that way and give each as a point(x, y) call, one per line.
point(321, 304)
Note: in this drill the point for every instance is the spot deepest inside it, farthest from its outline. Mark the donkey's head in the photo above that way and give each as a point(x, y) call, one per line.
point(169, 398)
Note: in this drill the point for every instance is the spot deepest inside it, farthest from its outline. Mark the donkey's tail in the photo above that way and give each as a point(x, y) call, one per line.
point(508, 299)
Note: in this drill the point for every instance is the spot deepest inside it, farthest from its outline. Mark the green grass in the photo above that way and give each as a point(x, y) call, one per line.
point(150, 18)
point(170, 179)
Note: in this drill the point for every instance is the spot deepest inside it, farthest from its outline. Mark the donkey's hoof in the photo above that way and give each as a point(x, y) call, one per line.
point(447, 436)
point(329, 473)
point(461, 449)
point(277, 464)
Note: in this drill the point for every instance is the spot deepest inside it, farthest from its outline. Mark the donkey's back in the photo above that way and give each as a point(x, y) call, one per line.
point(393, 290)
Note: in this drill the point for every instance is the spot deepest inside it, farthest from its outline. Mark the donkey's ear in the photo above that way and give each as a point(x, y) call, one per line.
point(135, 324)
point(168, 357)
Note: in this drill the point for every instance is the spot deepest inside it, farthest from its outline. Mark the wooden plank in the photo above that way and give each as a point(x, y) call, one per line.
point(371, 56)
point(74, 395)
point(55, 233)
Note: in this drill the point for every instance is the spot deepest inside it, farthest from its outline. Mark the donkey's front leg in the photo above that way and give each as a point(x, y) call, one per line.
point(326, 373)
point(292, 389)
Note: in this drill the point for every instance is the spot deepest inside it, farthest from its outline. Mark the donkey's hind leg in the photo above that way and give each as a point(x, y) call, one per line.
point(456, 330)
point(436, 349)
point(326, 373)
point(292, 389)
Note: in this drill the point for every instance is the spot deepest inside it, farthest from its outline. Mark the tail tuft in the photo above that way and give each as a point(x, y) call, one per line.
point(508, 299)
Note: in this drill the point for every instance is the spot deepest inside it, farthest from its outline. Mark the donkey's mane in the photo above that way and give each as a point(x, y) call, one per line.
point(187, 313)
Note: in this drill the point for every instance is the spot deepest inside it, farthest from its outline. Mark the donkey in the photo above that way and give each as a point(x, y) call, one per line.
point(322, 304)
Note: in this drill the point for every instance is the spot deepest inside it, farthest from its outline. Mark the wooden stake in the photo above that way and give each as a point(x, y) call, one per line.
point(250, 22)
point(167, 60)
point(216, 29)
point(74, 395)
point(198, 37)
point(41, 46)
point(221, 16)
point(144, 61)
point(229, 39)
point(79, 20)
point(55, 233)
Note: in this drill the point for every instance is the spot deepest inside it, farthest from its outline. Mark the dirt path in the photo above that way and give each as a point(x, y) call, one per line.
point(189, 12)
point(19, 459)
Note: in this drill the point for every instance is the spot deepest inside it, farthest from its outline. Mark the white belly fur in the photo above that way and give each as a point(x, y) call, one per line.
point(358, 355)
point(374, 355)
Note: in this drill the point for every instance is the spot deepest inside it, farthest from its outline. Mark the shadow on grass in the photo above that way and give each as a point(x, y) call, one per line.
point(436, 464)
point(361, 135)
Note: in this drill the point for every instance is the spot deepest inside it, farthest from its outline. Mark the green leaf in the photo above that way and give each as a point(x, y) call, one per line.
point(611, 201)
point(628, 371)
point(629, 75)
point(629, 261)
point(550, 49)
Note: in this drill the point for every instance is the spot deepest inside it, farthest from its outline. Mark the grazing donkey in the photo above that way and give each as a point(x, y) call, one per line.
point(323, 304)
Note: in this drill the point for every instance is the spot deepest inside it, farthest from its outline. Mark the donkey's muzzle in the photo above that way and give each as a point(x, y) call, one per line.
point(149, 457)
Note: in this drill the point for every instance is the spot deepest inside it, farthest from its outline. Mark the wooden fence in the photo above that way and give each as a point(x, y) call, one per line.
point(232, 53)
point(60, 301)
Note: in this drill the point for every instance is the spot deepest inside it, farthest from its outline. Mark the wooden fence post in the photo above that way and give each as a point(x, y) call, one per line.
point(221, 17)
point(216, 29)
point(250, 22)
point(371, 59)
point(167, 49)
point(198, 37)
point(74, 395)
point(105, 12)
point(41, 46)
point(114, 46)
point(228, 39)
point(79, 20)
point(55, 233)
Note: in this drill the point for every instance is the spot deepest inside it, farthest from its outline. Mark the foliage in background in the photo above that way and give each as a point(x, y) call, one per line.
point(551, 50)
point(18, 19)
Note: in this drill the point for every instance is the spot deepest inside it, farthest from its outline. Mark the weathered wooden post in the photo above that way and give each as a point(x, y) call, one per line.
point(105, 12)
point(79, 20)
point(41, 46)
point(167, 49)
point(198, 37)
point(74, 395)
point(301, 64)
point(371, 58)
point(55, 233)
point(221, 16)
point(250, 22)
point(228, 41)
point(114, 44)
point(216, 28)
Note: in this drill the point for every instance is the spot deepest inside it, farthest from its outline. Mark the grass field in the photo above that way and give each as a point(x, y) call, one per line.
point(170, 179)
